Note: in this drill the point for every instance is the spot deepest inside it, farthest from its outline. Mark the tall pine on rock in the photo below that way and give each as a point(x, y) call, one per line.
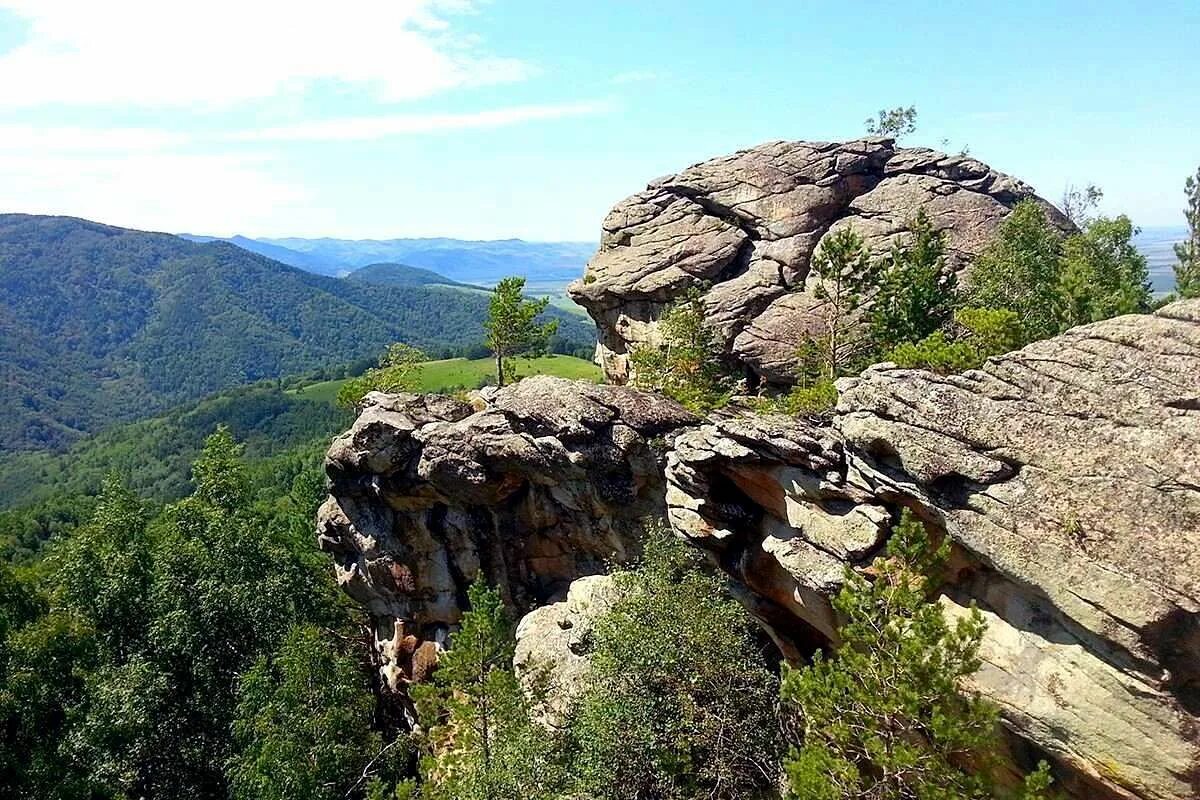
point(512, 328)
point(886, 717)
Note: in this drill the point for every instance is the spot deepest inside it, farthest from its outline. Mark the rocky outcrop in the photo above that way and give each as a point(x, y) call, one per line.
point(747, 225)
point(1067, 476)
point(546, 482)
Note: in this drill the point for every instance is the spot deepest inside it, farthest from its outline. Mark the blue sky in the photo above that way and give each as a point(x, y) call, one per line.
point(530, 118)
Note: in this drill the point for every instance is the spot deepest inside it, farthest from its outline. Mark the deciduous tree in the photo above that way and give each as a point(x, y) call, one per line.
point(897, 122)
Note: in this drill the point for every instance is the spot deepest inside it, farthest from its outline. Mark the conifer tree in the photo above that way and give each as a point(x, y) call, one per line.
point(511, 327)
point(887, 717)
point(1187, 252)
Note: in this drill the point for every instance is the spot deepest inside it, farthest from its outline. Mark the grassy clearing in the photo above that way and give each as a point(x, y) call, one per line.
point(461, 373)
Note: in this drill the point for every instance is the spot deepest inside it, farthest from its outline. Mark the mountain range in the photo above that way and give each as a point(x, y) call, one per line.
point(100, 324)
point(476, 262)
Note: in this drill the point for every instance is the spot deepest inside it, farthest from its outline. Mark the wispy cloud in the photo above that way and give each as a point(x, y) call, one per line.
point(163, 191)
point(226, 53)
point(378, 127)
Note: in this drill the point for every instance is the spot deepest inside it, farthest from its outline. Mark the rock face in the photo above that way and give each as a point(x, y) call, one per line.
point(1067, 476)
point(748, 225)
point(544, 484)
point(554, 643)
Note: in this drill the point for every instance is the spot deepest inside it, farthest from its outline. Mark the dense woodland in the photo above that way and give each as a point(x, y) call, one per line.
point(101, 325)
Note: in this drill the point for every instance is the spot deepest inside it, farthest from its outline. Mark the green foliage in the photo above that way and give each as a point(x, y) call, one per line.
point(153, 457)
point(917, 292)
point(104, 325)
point(846, 277)
point(482, 742)
point(1020, 271)
point(1103, 274)
point(1187, 252)
point(896, 123)
point(122, 679)
point(303, 722)
point(1052, 283)
point(511, 326)
point(887, 716)
point(978, 334)
point(398, 371)
point(685, 366)
point(681, 702)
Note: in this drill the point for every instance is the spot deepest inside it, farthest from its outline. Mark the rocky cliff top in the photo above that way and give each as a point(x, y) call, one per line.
point(747, 225)
point(1065, 474)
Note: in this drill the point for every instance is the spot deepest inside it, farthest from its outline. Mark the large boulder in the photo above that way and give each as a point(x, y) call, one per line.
point(546, 482)
point(555, 644)
point(1067, 477)
point(746, 226)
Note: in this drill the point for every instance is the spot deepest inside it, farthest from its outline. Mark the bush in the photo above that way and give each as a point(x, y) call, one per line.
point(979, 334)
point(681, 702)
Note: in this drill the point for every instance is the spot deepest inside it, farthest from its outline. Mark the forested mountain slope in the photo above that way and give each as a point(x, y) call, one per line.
point(100, 324)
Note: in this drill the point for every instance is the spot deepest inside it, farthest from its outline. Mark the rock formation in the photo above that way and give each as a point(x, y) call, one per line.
point(547, 483)
point(748, 224)
point(1067, 476)
point(554, 643)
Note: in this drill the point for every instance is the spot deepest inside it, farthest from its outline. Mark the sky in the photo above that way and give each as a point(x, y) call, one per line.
point(530, 118)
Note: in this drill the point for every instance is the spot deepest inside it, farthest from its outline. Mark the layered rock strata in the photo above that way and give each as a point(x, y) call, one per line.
point(547, 482)
point(1066, 475)
point(745, 227)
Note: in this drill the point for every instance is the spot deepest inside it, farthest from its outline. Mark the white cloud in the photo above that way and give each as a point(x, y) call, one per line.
point(40, 140)
point(153, 191)
point(378, 127)
point(224, 53)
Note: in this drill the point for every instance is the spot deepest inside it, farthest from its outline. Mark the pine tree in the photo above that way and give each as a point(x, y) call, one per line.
point(917, 292)
point(887, 717)
point(511, 326)
point(482, 741)
point(1187, 270)
point(846, 277)
point(686, 365)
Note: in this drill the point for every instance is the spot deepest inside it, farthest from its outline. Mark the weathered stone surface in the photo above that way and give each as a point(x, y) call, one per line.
point(554, 644)
point(544, 484)
point(748, 224)
point(1067, 475)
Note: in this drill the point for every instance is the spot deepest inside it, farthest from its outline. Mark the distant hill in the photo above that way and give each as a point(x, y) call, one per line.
point(404, 275)
point(547, 265)
point(100, 324)
point(283, 255)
